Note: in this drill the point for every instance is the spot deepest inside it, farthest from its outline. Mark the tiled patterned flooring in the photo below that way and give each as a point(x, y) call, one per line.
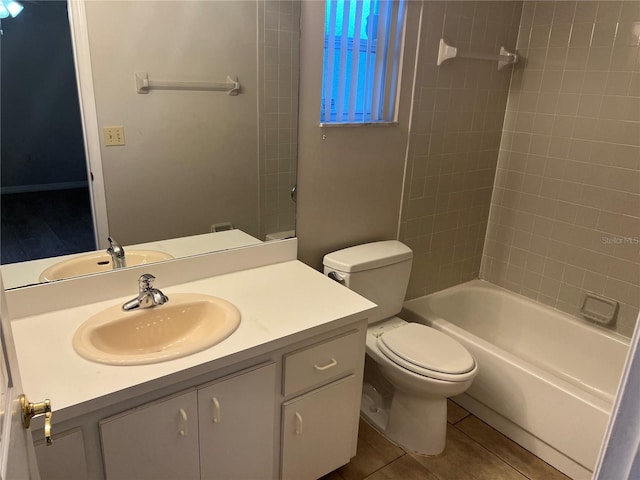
point(474, 451)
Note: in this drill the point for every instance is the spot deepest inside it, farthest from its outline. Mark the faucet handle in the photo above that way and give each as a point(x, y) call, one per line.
point(115, 247)
point(145, 282)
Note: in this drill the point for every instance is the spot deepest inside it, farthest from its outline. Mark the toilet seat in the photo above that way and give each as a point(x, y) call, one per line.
point(427, 351)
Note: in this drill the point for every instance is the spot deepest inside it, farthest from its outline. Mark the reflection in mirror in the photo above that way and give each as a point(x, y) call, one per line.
point(192, 162)
point(67, 266)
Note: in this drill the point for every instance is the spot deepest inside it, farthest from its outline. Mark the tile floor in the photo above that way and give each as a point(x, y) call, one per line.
point(474, 451)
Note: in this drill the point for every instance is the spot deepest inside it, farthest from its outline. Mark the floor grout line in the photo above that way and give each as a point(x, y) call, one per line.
point(386, 465)
point(482, 444)
point(492, 452)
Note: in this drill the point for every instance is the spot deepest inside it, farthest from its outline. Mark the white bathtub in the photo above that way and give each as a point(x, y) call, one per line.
point(547, 380)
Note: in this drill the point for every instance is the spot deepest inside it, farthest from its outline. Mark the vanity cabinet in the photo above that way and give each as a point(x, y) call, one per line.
point(228, 411)
point(221, 430)
point(289, 413)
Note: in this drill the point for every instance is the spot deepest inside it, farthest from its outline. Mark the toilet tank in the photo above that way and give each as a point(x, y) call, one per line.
point(378, 271)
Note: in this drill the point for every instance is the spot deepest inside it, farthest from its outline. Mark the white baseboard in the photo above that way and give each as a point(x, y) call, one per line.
point(44, 187)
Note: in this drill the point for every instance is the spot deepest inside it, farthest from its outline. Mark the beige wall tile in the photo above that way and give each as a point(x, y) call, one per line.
point(279, 139)
point(560, 34)
point(630, 11)
point(585, 201)
point(628, 33)
point(581, 34)
point(604, 34)
point(585, 12)
point(624, 58)
point(451, 165)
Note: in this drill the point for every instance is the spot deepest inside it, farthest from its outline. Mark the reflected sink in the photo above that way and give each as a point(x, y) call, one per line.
point(98, 262)
point(187, 324)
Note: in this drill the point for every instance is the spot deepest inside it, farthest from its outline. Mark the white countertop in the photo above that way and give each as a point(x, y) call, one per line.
point(28, 273)
point(275, 301)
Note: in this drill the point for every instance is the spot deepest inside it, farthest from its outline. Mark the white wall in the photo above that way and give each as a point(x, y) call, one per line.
point(191, 158)
point(350, 179)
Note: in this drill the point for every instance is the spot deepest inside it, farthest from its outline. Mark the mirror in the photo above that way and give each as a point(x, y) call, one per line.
point(192, 161)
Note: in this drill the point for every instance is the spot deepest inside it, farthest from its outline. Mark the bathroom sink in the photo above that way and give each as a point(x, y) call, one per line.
point(188, 323)
point(98, 262)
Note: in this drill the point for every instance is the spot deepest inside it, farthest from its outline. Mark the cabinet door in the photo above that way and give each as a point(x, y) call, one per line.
point(64, 459)
point(317, 430)
point(156, 441)
point(237, 426)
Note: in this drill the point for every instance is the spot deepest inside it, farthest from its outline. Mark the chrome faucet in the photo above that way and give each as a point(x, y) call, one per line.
point(117, 254)
point(147, 295)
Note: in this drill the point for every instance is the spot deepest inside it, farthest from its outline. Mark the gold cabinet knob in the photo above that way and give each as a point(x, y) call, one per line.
point(31, 409)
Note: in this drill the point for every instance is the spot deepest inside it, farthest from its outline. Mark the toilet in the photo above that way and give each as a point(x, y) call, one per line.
point(416, 367)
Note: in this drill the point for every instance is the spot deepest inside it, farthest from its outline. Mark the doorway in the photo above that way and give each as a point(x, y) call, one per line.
point(45, 203)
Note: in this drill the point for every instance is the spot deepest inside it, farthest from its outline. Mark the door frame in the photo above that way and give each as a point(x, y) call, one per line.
point(17, 452)
point(89, 119)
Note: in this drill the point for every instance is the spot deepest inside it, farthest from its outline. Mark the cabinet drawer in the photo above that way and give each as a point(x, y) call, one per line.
point(321, 362)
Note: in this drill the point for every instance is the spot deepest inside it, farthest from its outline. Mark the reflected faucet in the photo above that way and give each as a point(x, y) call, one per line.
point(147, 295)
point(117, 254)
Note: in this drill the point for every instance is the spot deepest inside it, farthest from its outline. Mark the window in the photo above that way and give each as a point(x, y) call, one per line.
point(362, 59)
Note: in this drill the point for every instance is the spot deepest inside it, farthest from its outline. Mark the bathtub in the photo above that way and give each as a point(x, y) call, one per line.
point(547, 380)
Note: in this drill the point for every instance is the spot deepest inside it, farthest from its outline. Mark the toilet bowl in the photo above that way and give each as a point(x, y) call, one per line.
point(425, 367)
point(422, 365)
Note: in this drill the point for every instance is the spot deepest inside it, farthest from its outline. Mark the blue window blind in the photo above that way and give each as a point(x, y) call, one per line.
point(362, 58)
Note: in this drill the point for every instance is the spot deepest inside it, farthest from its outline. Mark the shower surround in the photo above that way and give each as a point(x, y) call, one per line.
point(528, 177)
point(565, 212)
point(456, 126)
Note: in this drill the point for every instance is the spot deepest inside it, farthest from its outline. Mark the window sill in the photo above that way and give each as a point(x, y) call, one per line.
point(358, 124)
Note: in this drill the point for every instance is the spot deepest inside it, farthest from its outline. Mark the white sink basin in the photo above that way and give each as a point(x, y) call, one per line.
point(98, 262)
point(188, 323)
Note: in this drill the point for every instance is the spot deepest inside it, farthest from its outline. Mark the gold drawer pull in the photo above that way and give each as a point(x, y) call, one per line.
point(329, 365)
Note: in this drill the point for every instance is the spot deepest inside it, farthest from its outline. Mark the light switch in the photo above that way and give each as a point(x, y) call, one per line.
point(113, 135)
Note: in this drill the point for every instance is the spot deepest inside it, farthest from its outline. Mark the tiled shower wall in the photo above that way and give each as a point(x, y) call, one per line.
point(279, 71)
point(565, 214)
point(456, 126)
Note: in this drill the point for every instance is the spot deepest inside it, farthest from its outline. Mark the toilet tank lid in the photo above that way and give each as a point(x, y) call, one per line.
point(368, 256)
